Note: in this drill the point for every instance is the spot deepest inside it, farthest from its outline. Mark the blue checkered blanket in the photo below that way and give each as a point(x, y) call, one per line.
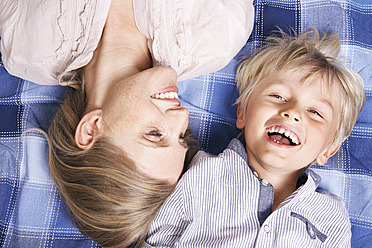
point(33, 215)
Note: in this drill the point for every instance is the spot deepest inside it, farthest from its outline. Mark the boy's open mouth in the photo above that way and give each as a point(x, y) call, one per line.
point(283, 136)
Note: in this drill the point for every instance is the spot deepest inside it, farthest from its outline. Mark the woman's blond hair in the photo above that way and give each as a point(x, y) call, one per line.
point(107, 197)
point(315, 53)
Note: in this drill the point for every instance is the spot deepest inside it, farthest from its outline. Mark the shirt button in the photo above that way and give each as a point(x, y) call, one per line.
point(266, 228)
point(255, 174)
point(311, 232)
point(265, 182)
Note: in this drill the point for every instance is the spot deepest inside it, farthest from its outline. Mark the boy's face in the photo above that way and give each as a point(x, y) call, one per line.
point(289, 124)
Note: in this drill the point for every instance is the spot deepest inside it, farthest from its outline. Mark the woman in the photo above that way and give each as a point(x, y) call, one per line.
point(117, 145)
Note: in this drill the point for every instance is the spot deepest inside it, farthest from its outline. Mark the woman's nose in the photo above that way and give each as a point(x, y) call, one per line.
point(179, 112)
point(178, 120)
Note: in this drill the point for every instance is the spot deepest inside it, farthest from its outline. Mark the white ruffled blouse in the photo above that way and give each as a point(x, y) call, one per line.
point(45, 40)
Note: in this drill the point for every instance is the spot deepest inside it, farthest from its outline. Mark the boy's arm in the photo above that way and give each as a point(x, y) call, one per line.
point(169, 223)
point(346, 241)
point(337, 222)
point(343, 231)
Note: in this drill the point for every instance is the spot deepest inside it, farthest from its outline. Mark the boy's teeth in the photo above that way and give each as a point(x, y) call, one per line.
point(287, 133)
point(166, 95)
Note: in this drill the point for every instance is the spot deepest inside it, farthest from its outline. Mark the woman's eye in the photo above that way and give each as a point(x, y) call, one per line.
point(183, 139)
point(315, 113)
point(154, 136)
point(155, 133)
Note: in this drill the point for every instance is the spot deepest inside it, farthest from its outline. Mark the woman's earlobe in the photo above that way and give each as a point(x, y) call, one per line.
point(88, 129)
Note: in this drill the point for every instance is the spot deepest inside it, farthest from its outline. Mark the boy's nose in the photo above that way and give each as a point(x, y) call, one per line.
point(291, 115)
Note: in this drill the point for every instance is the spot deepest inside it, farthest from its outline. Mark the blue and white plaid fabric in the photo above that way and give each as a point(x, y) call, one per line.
point(31, 212)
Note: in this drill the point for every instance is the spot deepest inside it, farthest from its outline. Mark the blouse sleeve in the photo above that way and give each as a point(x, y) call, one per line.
point(7, 9)
point(43, 41)
point(194, 37)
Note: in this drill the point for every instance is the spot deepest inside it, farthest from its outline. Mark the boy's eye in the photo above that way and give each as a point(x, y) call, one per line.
point(315, 113)
point(279, 97)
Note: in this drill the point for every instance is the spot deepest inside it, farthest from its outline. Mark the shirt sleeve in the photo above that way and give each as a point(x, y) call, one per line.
point(339, 225)
point(170, 223)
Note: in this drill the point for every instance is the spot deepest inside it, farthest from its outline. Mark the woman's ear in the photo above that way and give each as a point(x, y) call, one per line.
point(329, 152)
point(89, 127)
point(240, 121)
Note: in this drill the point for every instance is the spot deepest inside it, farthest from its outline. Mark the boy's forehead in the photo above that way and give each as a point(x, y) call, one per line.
point(305, 76)
point(329, 85)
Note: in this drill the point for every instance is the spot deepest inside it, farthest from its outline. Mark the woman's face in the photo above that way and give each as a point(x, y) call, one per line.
point(148, 125)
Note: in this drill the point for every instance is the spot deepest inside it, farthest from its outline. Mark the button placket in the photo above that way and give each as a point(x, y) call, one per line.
point(265, 182)
point(310, 231)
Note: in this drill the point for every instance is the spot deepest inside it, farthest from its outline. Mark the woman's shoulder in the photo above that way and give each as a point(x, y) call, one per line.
point(42, 41)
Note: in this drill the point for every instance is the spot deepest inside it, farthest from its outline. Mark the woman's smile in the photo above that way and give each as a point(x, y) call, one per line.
point(145, 116)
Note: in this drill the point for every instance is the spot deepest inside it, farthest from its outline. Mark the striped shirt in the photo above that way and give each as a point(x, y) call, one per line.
point(220, 202)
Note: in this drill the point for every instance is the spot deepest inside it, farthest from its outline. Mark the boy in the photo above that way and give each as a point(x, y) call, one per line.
point(297, 105)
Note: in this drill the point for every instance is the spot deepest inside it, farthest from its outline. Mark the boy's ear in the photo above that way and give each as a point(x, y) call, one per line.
point(329, 152)
point(240, 121)
point(88, 129)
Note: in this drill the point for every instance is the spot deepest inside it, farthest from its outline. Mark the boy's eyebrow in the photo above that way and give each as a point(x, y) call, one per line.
point(326, 102)
point(276, 83)
point(321, 99)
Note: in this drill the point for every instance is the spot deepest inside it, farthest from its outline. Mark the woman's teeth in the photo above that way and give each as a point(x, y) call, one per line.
point(166, 95)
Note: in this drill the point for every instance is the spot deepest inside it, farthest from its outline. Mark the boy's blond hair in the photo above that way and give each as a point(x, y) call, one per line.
point(316, 54)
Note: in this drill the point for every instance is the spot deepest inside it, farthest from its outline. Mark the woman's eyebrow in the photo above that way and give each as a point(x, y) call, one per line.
point(162, 144)
point(151, 144)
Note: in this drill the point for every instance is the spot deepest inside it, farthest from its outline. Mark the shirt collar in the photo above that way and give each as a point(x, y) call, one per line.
point(237, 146)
